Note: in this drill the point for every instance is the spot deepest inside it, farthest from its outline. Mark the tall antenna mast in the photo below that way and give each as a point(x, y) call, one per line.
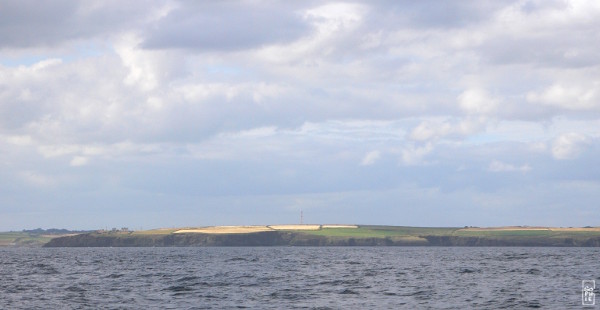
point(301, 217)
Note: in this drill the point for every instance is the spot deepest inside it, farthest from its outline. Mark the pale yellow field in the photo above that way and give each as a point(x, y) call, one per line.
point(225, 230)
point(574, 229)
point(339, 226)
point(520, 228)
point(503, 228)
point(251, 229)
point(295, 227)
point(56, 236)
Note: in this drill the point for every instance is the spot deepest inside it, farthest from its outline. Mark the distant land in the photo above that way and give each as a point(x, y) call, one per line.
point(35, 237)
point(308, 235)
point(326, 235)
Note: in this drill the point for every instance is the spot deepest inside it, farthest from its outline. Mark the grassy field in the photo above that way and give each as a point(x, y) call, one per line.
point(381, 231)
point(550, 233)
point(504, 233)
point(22, 239)
point(496, 232)
point(162, 231)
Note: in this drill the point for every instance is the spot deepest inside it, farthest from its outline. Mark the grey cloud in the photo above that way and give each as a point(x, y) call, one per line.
point(200, 115)
point(224, 25)
point(545, 34)
point(431, 13)
point(571, 49)
point(27, 23)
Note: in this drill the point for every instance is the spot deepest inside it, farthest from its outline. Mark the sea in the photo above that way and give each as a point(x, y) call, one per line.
point(297, 278)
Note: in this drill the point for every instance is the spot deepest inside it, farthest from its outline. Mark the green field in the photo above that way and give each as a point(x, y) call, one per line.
point(156, 231)
point(406, 232)
point(528, 233)
point(381, 231)
point(22, 239)
point(504, 233)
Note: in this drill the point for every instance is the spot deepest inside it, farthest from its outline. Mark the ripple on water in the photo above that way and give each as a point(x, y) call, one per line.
point(288, 277)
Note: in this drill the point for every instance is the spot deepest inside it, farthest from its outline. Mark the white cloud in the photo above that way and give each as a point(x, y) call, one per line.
point(57, 150)
point(21, 140)
point(477, 101)
point(428, 130)
point(569, 145)
point(498, 166)
point(37, 179)
point(335, 16)
point(139, 62)
point(583, 96)
point(300, 108)
point(414, 155)
point(436, 128)
point(78, 161)
point(538, 147)
point(370, 158)
point(45, 64)
point(254, 133)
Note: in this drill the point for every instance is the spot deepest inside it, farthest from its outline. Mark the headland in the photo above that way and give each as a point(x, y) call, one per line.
point(336, 235)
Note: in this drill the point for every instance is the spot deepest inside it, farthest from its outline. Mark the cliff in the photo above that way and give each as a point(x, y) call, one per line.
point(268, 238)
point(293, 238)
point(514, 241)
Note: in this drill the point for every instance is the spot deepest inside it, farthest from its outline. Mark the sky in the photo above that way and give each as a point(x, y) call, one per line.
point(193, 113)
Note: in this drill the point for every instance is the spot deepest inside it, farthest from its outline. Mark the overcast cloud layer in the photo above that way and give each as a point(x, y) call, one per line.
point(187, 113)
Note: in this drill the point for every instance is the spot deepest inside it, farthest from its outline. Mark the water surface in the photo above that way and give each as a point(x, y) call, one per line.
point(295, 277)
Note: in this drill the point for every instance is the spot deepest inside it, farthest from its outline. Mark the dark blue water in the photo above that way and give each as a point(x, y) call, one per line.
point(295, 278)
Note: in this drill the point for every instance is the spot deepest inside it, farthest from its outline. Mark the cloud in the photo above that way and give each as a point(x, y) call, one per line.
point(526, 33)
point(498, 166)
point(37, 179)
point(437, 128)
point(477, 101)
point(226, 26)
point(370, 158)
point(227, 102)
point(569, 145)
point(583, 96)
point(27, 24)
point(414, 155)
point(18, 140)
point(78, 161)
point(427, 130)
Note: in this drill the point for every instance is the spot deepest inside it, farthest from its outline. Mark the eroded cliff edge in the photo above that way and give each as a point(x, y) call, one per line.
point(290, 238)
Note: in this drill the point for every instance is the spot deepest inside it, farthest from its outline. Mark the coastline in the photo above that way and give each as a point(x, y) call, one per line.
point(336, 235)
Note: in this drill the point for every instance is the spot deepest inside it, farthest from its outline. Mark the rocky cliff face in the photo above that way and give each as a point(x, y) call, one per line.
point(525, 241)
point(269, 238)
point(288, 238)
point(118, 240)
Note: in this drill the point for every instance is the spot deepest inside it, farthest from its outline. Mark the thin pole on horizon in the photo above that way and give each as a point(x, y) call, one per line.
point(301, 217)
